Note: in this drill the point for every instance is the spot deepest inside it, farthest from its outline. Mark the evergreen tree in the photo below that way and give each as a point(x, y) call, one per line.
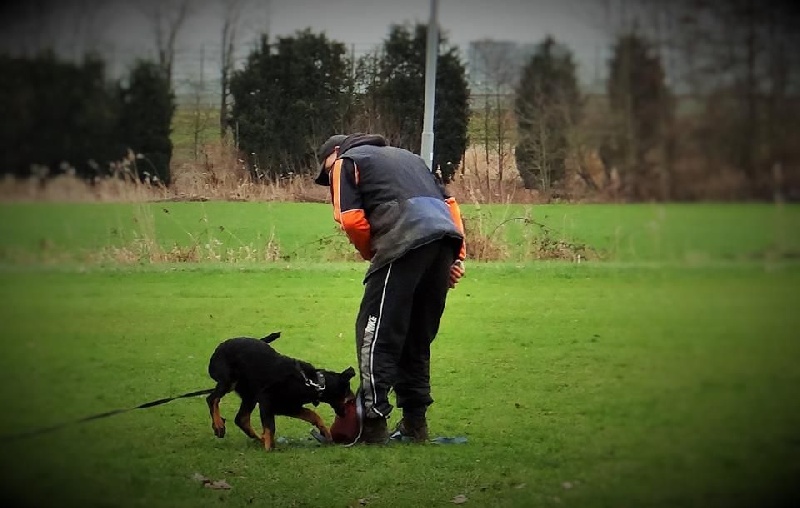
point(641, 108)
point(399, 96)
point(64, 115)
point(290, 96)
point(147, 106)
point(547, 106)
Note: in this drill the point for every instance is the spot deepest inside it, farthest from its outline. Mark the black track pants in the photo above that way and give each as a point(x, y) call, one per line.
point(399, 317)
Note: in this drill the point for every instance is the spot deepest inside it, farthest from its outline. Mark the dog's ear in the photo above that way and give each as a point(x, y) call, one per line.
point(348, 373)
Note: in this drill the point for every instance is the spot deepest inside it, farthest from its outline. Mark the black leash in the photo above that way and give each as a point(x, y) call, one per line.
point(45, 430)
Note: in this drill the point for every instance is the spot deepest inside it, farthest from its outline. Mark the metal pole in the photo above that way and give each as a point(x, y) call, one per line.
point(432, 52)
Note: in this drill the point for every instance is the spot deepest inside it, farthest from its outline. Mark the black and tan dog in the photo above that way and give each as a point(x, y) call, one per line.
point(280, 385)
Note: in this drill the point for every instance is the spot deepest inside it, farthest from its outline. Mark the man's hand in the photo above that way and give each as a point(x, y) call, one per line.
point(456, 272)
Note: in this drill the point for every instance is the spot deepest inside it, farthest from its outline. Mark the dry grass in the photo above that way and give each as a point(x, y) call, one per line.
point(482, 181)
point(218, 174)
point(68, 188)
point(147, 250)
point(486, 241)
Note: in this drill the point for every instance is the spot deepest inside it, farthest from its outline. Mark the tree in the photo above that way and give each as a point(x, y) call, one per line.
point(738, 59)
point(201, 114)
point(147, 106)
point(232, 11)
point(64, 113)
point(547, 105)
point(641, 109)
point(365, 114)
point(288, 99)
point(166, 18)
point(70, 117)
point(398, 94)
point(494, 71)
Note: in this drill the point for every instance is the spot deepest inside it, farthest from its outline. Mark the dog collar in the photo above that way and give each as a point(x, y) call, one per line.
point(318, 384)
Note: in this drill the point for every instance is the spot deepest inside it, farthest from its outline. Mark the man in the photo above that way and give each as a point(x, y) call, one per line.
point(400, 219)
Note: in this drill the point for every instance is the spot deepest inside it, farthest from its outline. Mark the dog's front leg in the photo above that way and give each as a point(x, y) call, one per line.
point(268, 423)
point(314, 419)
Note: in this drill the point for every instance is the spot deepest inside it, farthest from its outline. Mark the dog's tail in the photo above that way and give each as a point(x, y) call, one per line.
point(272, 336)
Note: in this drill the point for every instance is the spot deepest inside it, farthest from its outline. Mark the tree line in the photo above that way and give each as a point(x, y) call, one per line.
point(66, 117)
point(292, 92)
point(697, 94)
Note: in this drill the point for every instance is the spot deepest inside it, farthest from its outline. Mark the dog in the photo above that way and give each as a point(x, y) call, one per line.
point(280, 385)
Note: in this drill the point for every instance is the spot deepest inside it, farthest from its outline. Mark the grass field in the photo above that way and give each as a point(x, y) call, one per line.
point(305, 231)
point(663, 376)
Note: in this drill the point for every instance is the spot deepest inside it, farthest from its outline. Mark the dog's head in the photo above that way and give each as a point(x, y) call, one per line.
point(337, 389)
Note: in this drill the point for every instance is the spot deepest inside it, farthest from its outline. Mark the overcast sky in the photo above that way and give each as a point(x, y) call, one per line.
point(118, 29)
point(366, 21)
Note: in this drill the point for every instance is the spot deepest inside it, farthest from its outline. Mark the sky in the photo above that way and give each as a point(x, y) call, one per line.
point(119, 30)
point(367, 21)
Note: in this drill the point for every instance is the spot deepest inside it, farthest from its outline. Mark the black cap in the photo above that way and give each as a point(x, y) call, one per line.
point(323, 153)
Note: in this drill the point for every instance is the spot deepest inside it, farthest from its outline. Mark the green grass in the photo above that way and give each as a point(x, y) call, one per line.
point(654, 232)
point(666, 376)
point(641, 233)
point(42, 230)
point(639, 386)
point(189, 119)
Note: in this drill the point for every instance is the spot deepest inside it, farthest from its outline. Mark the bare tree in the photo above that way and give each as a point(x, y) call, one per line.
point(232, 11)
point(553, 137)
point(167, 18)
point(495, 67)
point(201, 113)
point(748, 81)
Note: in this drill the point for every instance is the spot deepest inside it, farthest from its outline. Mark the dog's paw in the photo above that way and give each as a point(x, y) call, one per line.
point(219, 431)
